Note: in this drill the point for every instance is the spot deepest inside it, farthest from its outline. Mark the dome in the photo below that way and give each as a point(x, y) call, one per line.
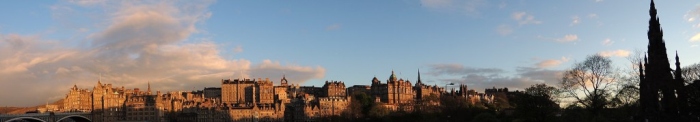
point(392, 77)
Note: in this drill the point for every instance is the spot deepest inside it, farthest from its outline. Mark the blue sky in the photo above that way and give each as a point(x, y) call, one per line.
point(187, 45)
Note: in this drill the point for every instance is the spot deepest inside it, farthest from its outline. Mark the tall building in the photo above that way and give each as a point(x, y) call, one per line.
point(238, 91)
point(656, 75)
point(334, 89)
point(281, 91)
point(423, 90)
point(394, 94)
point(77, 100)
point(212, 92)
point(358, 89)
point(264, 92)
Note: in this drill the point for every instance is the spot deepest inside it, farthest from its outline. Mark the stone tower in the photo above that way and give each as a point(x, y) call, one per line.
point(656, 75)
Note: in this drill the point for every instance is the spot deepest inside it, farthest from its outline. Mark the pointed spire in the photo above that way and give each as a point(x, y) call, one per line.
point(677, 57)
point(149, 88)
point(641, 71)
point(645, 59)
point(652, 9)
point(99, 79)
point(655, 33)
point(678, 67)
point(418, 76)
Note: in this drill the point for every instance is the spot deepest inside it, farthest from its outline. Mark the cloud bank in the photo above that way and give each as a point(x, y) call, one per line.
point(617, 53)
point(468, 7)
point(481, 78)
point(137, 42)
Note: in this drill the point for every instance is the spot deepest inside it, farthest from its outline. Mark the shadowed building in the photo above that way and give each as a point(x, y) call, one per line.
point(657, 76)
point(237, 91)
point(212, 92)
point(358, 89)
point(422, 90)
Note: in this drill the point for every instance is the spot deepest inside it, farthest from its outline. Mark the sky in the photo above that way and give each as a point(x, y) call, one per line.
point(47, 47)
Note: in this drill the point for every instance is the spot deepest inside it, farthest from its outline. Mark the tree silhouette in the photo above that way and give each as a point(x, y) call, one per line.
point(536, 104)
point(588, 83)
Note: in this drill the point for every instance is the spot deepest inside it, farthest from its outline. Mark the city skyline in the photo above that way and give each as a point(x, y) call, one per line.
point(49, 46)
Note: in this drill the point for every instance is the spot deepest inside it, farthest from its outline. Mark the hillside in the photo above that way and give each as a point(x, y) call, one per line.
point(22, 110)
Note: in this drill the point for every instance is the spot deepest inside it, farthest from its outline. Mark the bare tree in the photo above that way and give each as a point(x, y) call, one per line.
point(627, 88)
point(589, 82)
point(691, 73)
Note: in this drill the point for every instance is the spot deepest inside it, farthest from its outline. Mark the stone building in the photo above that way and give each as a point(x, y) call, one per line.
point(423, 90)
point(333, 89)
point(333, 106)
point(281, 91)
point(238, 91)
point(358, 89)
point(77, 100)
point(141, 107)
point(212, 92)
point(656, 76)
point(394, 94)
point(306, 108)
point(264, 92)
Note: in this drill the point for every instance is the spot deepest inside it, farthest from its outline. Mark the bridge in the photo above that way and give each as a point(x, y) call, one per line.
point(47, 117)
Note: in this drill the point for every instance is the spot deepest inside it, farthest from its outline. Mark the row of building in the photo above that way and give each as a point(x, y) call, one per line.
point(251, 100)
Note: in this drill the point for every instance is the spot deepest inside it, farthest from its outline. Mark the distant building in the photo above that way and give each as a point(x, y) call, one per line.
point(358, 89)
point(212, 92)
point(423, 90)
point(395, 93)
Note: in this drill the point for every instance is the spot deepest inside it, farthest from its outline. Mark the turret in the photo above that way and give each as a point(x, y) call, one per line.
point(678, 68)
point(148, 91)
point(419, 81)
point(392, 77)
point(284, 80)
point(641, 71)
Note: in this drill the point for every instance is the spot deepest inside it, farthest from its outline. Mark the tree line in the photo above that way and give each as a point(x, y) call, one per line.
point(593, 90)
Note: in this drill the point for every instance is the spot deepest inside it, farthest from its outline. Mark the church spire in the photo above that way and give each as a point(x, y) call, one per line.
point(652, 9)
point(655, 33)
point(149, 88)
point(678, 67)
point(641, 71)
point(419, 77)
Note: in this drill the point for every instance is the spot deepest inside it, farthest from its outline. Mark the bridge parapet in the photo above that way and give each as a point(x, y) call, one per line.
point(45, 117)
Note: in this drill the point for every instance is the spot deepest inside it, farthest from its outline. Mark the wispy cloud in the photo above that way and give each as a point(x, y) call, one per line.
point(457, 69)
point(524, 18)
point(568, 38)
point(468, 7)
point(607, 42)
point(238, 49)
point(333, 27)
point(575, 20)
point(504, 30)
point(565, 39)
point(140, 41)
point(695, 38)
point(524, 77)
point(692, 17)
point(551, 62)
point(592, 15)
point(617, 53)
